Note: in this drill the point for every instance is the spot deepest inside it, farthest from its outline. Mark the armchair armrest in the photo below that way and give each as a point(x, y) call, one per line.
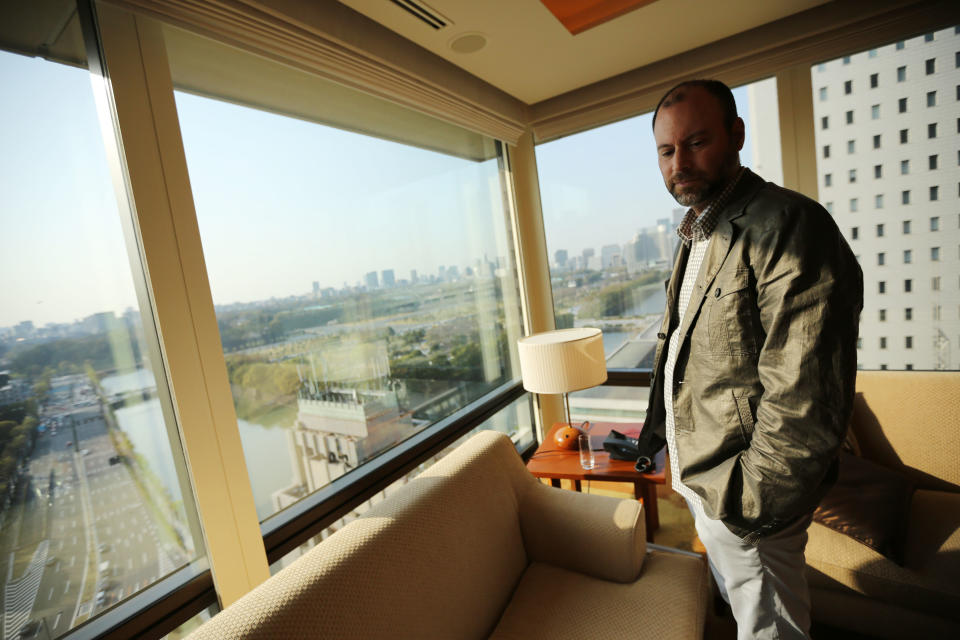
point(598, 536)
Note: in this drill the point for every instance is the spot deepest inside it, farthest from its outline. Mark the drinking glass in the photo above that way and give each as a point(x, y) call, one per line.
point(587, 459)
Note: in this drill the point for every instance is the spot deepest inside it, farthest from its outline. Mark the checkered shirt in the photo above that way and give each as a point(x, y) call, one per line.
point(695, 231)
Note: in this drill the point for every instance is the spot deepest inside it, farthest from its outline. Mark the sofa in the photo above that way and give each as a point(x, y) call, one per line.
point(907, 422)
point(475, 547)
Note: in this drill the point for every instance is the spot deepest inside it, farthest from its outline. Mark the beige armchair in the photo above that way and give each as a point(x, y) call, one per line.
point(475, 547)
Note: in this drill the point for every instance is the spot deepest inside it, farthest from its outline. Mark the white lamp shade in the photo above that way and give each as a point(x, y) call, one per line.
point(562, 361)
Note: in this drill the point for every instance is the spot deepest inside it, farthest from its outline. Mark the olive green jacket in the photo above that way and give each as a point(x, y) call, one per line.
point(764, 381)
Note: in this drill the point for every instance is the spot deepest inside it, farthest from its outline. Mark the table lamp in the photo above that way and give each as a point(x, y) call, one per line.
point(562, 361)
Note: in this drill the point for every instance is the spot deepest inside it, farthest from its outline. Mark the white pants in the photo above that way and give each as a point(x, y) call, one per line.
point(764, 584)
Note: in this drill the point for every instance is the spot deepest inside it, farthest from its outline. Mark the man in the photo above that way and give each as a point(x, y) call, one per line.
point(753, 377)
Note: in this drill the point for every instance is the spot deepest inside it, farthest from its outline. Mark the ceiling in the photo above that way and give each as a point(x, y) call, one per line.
point(530, 55)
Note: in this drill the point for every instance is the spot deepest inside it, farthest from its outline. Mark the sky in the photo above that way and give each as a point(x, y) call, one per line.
point(281, 202)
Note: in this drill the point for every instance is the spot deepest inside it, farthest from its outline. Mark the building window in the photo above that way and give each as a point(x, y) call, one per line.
point(904, 167)
point(829, 207)
point(875, 112)
point(908, 367)
point(849, 116)
point(881, 259)
point(935, 223)
point(883, 343)
point(874, 80)
point(823, 93)
point(878, 171)
point(900, 45)
point(932, 130)
point(901, 74)
point(934, 193)
point(851, 146)
point(881, 287)
point(905, 196)
point(825, 122)
point(908, 313)
point(907, 285)
point(828, 179)
point(907, 256)
point(956, 60)
point(880, 230)
point(908, 342)
point(848, 87)
point(883, 315)
point(876, 141)
point(854, 233)
point(853, 205)
point(932, 162)
point(883, 367)
point(934, 254)
point(859, 343)
point(852, 176)
point(826, 151)
point(902, 105)
point(928, 37)
point(906, 227)
point(903, 136)
point(931, 98)
point(931, 66)
point(936, 312)
point(935, 283)
point(846, 59)
point(878, 201)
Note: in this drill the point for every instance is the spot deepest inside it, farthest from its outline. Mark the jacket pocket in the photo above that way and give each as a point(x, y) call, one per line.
point(731, 317)
point(747, 421)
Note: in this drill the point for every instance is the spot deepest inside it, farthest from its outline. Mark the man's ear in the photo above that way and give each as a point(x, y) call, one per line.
point(737, 133)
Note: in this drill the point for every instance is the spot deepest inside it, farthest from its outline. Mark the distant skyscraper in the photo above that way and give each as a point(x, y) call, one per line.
point(609, 255)
point(586, 256)
point(453, 273)
point(316, 287)
point(413, 276)
point(387, 277)
point(442, 273)
point(371, 280)
point(560, 258)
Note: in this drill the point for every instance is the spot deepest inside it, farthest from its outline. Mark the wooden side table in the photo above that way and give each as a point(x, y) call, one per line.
point(550, 461)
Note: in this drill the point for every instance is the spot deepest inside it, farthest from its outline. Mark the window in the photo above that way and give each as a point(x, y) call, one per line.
point(846, 59)
point(904, 167)
point(829, 207)
point(881, 287)
point(881, 258)
point(934, 254)
point(827, 179)
point(903, 136)
point(826, 151)
point(908, 342)
point(848, 87)
point(905, 196)
point(956, 60)
point(934, 193)
point(883, 367)
point(900, 45)
point(852, 176)
point(859, 343)
point(854, 233)
point(877, 171)
point(902, 105)
point(908, 313)
point(883, 315)
point(932, 130)
point(901, 74)
point(874, 80)
point(931, 98)
point(935, 283)
point(928, 37)
point(908, 367)
point(932, 162)
point(823, 93)
point(906, 227)
point(79, 355)
point(883, 343)
point(878, 201)
point(880, 230)
point(936, 312)
point(907, 256)
point(849, 116)
point(931, 66)
point(875, 112)
point(935, 223)
point(353, 381)
point(824, 122)
point(853, 205)
point(876, 141)
point(907, 285)
point(851, 146)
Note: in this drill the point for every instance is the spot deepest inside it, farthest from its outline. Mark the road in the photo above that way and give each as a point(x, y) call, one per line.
point(85, 512)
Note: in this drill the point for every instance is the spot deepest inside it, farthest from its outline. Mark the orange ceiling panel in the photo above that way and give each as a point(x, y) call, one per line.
point(579, 15)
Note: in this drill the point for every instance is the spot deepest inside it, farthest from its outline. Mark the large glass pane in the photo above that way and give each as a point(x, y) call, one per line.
point(611, 224)
point(904, 173)
point(515, 419)
point(364, 284)
point(94, 493)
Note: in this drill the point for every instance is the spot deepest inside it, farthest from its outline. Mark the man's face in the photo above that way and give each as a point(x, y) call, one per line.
point(697, 154)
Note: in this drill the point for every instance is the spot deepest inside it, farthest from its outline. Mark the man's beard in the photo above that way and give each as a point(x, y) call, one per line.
point(695, 195)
